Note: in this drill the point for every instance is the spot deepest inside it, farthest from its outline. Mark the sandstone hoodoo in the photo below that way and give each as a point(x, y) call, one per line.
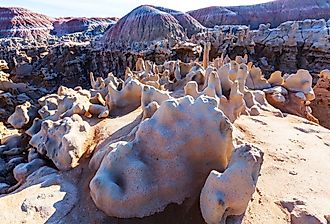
point(157, 119)
point(273, 12)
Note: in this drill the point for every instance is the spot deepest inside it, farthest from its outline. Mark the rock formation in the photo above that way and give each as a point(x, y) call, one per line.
point(273, 12)
point(294, 95)
point(133, 179)
point(23, 23)
point(144, 119)
point(62, 141)
point(188, 23)
point(321, 104)
point(222, 194)
point(23, 115)
point(63, 26)
point(291, 46)
point(20, 22)
point(148, 23)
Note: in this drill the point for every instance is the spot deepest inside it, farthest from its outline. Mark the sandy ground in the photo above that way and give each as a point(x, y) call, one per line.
point(294, 180)
point(294, 185)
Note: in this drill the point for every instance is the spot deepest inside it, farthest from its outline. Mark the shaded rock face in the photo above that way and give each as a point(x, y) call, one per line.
point(148, 23)
point(321, 104)
point(20, 22)
point(70, 65)
point(63, 26)
point(274, 12)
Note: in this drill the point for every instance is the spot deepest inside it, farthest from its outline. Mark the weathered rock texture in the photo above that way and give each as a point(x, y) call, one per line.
point(133, 179)
point(23, 115)
point(63, 26)
point(291, 46)
point(273, 12)
point(148, 23)
point(23, 23)
point(228, 193)
point(20, 22)
point(321, 104)
point(62, 141)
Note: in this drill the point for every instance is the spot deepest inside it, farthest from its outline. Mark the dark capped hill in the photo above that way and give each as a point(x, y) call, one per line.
point(148, 23)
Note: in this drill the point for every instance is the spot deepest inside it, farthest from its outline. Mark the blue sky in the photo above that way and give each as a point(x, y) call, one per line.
point(104, 8)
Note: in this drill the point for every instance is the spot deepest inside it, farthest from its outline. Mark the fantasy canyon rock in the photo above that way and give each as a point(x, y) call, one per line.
point(139, 163)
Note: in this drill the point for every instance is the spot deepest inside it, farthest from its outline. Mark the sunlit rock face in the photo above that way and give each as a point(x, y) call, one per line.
point(63, 26)
point(148, 23)
point(20, 22)
point(274, 12)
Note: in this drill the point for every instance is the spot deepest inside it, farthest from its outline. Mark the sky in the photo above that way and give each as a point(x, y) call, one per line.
point(116, 8)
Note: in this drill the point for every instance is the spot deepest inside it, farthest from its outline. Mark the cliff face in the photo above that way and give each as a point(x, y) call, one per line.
point(148, 23)
point(20, 22)
point(274, 12)
point(63, 26)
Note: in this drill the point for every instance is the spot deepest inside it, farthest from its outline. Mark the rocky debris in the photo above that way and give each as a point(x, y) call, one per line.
point(67, 63)
point(273, 12)
point(321, 104)
point(71, 101)
point(13, 94)
point(299, 213)
point(12, 153)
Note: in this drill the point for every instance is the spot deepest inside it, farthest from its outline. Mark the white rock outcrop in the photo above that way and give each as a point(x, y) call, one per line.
point(62, 141)
point(167, 162)
point(228, 193)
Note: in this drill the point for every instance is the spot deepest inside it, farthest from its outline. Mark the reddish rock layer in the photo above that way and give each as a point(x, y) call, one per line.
point(321, 104)
point(23, 23)
point(63, 26)
point(148, 23)
point(20, 22)
point(274, 12)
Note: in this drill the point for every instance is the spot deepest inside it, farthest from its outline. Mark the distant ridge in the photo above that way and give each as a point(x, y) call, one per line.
point(274, 12)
